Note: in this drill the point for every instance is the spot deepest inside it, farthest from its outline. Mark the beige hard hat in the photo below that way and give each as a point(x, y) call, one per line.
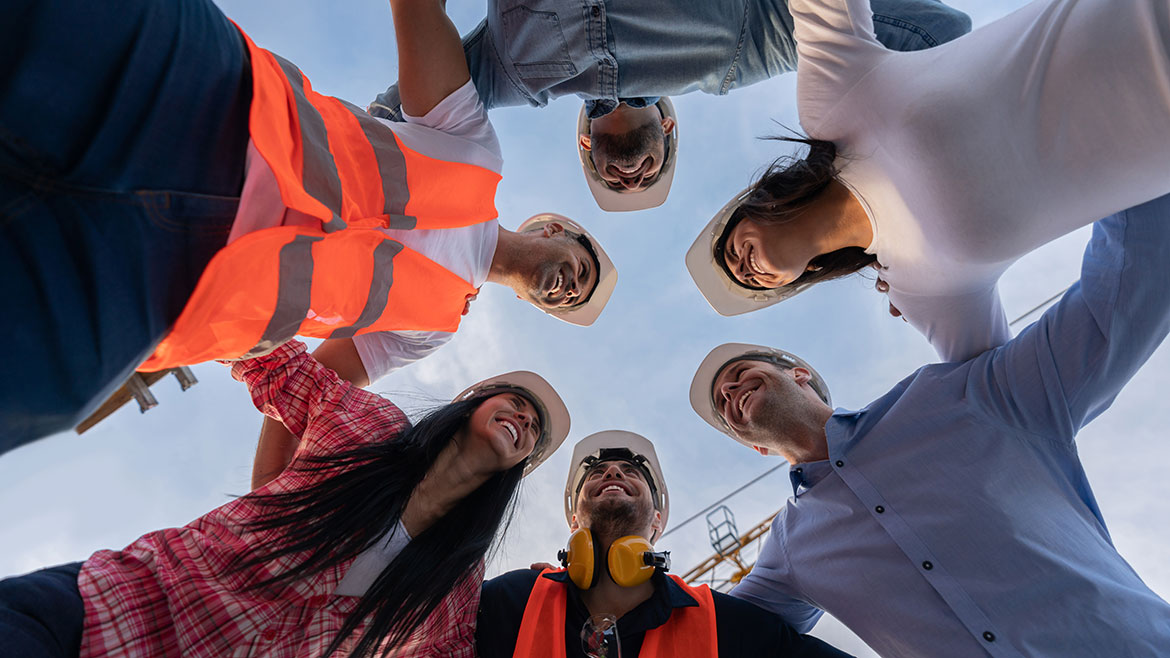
point(653, 195)
point(703, 395)
point(554, 416)
point(721, 291)
point(617, 445)
point(585, 313)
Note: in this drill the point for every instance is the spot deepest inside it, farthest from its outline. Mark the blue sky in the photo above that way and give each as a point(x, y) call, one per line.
point(67, 496)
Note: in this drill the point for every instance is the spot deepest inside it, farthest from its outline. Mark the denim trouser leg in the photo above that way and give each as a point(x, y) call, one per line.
point(908, 25)
point(123, 132)
point(42, 614)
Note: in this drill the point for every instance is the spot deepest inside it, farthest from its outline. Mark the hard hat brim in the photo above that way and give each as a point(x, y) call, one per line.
point(635, 443)
point(554, 413)
point(583, 314)
point(702, 400)
point(723, 293)
point(651, 196)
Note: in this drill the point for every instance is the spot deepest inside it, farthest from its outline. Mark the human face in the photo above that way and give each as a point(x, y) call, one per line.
point(764, 255)
point(503, 430)
point(761, 401)
point(563, 273)
point(616, 498)
point(628, 146)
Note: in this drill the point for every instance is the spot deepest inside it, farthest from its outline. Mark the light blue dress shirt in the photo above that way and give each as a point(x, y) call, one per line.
point(527, 52)
point(953, 517)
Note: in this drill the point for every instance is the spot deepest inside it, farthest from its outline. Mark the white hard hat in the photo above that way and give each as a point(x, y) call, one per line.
point(703, 395)
point(554, 416)
point(585, 313)
point(726, 295)
point(653, 195)
point(617, 444)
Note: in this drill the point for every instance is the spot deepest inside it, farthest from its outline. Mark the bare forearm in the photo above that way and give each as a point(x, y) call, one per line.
point(431, 62)
point(274, 452)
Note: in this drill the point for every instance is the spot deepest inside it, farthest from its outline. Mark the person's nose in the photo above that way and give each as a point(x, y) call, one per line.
point(524, 420)
point(613, 471)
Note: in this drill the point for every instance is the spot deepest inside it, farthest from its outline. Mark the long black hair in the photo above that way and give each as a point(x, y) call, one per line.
point(359, 502)
point(781, 193)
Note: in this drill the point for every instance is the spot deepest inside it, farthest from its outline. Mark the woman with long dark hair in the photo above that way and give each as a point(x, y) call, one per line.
point(943, 166)
point(371, 541)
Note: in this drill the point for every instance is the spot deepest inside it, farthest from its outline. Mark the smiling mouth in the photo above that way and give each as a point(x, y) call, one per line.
point(611, 487)
point(754, 265)
point(512, 430)
point(558, 284)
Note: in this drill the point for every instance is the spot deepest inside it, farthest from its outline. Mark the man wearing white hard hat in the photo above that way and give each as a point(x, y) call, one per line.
point(952, 515)
point(625, 57)
point(550, 261)
point(617, 505)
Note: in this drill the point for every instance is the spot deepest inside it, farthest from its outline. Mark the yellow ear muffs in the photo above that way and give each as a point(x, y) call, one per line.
point(581, 559)
point(631, 560)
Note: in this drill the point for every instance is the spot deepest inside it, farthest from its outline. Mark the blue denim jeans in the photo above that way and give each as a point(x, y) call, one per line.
point(123, 132)
point(42, 614)
point(527, 52)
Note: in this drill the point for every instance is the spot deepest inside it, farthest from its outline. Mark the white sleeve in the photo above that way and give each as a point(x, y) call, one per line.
point(959, 327)
point(461, 114)
point(836, 47)
point(383, 352)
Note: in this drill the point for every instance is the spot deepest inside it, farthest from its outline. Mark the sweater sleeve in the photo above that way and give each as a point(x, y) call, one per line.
point(836, 47)
point(290, 386)
point(958, 327)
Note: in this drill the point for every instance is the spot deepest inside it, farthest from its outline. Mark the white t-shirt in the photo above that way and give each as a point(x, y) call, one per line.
point(455, 130)
point(972, 153)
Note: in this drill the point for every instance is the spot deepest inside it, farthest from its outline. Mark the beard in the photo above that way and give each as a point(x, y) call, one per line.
point(611, 519)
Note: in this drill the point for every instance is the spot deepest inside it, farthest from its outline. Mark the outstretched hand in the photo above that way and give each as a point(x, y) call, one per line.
point(541, 566)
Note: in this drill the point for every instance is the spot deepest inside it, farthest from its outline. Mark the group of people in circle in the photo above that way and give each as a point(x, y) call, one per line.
point(950, 516)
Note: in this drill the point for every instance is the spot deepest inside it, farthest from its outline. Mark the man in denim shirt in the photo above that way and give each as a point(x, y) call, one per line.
point(621, 56)
point(952, 516)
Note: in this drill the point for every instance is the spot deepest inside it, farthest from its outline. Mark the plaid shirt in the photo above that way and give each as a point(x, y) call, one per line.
point(171, 594)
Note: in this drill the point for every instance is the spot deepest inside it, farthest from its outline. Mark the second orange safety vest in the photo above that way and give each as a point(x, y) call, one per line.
point(689, 632)
point(334, 162)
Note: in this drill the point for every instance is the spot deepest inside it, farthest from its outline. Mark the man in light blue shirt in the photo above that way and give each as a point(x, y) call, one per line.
point(951, 516)
point(621, 56)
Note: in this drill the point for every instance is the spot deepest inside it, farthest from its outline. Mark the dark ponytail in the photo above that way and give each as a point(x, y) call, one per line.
point(359, 502)
point(780, 194)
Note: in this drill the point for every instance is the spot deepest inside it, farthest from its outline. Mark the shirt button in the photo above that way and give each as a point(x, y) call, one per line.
point(595, 10)
point(799, 471)
point(840, 463)
point(879, 509)
point(989, 636)
point(268, 635)
point(927, 565)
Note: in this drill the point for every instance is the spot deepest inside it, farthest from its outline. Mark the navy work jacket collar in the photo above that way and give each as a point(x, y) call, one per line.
point(647, 615)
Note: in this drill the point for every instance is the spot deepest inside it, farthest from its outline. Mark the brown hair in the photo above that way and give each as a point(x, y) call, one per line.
point(778, 195)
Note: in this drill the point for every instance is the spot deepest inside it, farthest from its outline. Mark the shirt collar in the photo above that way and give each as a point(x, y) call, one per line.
point(805, 476)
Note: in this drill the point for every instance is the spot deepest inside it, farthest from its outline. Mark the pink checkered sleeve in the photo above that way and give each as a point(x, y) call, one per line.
point(449, 631)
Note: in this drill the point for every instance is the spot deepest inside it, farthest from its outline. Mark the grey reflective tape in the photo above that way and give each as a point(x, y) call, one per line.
point(391, 168)
point(319, 171)
point(382, 279)
point(292, 295)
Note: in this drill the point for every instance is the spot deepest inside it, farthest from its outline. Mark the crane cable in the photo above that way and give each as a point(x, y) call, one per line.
point(712, 505)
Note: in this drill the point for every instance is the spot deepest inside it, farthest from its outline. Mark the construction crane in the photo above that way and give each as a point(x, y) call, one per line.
point(137, 388)
point(735, 553)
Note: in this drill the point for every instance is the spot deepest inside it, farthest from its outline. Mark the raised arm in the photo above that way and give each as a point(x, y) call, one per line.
point(431, 63)
point(836, 47)
point(1067, 367)
point(277, 445)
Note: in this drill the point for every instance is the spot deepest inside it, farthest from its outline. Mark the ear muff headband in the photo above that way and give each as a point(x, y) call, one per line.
point(631, 561)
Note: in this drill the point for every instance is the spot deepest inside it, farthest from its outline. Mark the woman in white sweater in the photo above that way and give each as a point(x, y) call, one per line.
point(942, 167)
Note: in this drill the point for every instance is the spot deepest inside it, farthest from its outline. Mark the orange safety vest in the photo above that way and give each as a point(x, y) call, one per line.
point(688, 633)
point(334, 162)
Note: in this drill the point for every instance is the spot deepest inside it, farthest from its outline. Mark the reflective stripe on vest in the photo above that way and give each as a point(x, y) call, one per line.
point(346, 277)
point(688, 633)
